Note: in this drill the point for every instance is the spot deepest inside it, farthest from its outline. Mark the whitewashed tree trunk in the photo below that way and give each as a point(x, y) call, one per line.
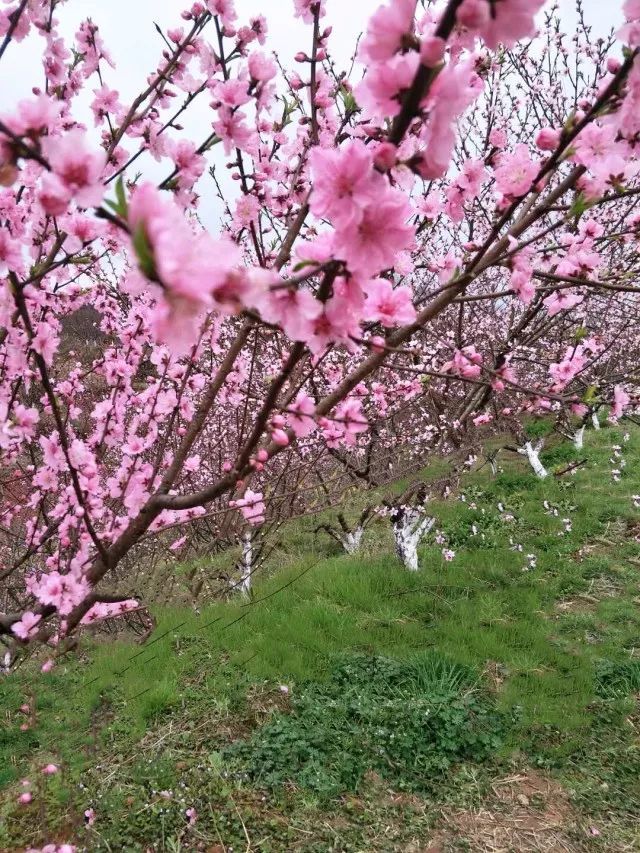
point(533, 455)
point(595, 420)
point(578, 438)
point(246, 564)
point(352, 540)
point(494, 467)
point(409, 527)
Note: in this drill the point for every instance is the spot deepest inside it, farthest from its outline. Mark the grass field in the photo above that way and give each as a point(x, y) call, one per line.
point(480, 704)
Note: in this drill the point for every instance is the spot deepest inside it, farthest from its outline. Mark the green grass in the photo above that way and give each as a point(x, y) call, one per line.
point(553, 651)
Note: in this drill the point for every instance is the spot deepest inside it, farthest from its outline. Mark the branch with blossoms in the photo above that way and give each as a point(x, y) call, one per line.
point(403, 260)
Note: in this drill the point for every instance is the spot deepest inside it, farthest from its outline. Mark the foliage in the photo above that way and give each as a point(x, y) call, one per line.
point(407, 721)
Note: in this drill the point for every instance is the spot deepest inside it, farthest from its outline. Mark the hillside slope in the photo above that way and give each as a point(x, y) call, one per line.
point(352, 705)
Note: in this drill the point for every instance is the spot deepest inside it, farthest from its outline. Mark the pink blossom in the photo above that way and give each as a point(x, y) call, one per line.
point(432, 49)
point(630, 32)
point(386, 29)
point(35, 115)
point(104, 103)
point(62, 591)
point(386, 305)
point(351, 417)
point(252, 507)
point(561, 300)
point(10, 253)
point(27, 626)
point(379, 92)
point(564, 371)
point(466, 362)
point(295, 309)
point(547, 139)
point(233, 132)
point(500, 21)
point(49, 769)
point(247, 210)
point(465, 188)
point(188, 163)
point(503, 375)
point(261, 67)
point(45, 342)
point(177, 545)
point(300, 415)
point(372, 244)
point(522, 285)
point(232, 93)
point(620, 402)
point(280, 437)
point(225, 9)
point(498, 137)
point(335, 323)
point(344, 183)
point(454, 89)
point(515, 171)
point(77, 168)
point(484, 418)
point(196, 270)
point(304, 9)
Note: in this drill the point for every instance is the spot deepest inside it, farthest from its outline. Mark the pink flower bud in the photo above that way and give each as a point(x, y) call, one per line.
point(613, 65)
point(25, 799)
point(301, 57)
point(278, 421)
point(547, 139)
point(473, 14)
point(280, 437)
point(262, 455)
point(377, 343)
point(386, 156)
point(432, 51)
point(47, 666)
point(49, 769)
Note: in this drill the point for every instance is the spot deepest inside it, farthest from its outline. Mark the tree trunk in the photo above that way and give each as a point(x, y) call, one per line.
point(352, 540)
point(246, 564)
point(578, 438)
point(409, 527)
point(533, 455)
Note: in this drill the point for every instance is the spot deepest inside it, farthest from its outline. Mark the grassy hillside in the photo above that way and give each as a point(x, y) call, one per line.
point(351, 705)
